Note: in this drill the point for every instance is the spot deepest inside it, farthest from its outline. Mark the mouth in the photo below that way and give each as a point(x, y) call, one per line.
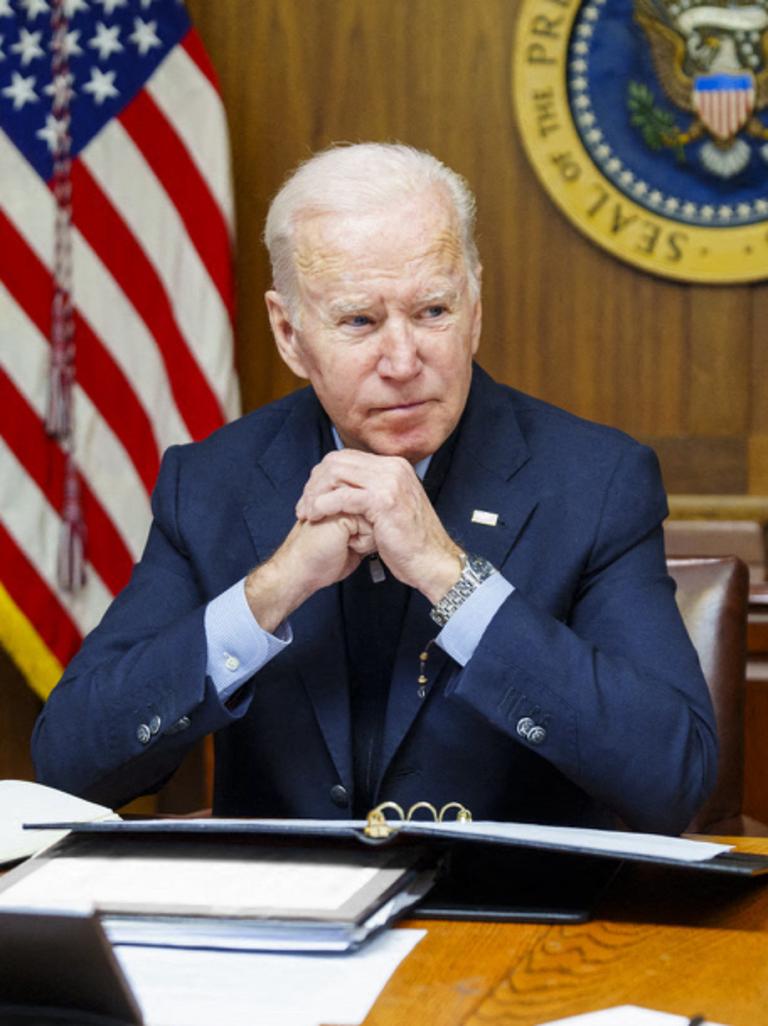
point(404, 407)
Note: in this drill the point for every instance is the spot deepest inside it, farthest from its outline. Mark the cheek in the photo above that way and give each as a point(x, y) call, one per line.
point(341, 381)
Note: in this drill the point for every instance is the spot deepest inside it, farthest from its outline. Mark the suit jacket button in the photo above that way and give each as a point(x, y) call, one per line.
point(143, 733)
point(536, 735)
point(525, 726)
point(154, 724)
point(339, 796)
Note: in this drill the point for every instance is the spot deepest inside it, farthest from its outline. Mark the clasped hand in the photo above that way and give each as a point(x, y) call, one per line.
point(385, 509)
point(355, 503)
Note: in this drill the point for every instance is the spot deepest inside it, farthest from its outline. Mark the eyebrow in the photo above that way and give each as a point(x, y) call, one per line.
point(449, 295)
point(347, 307)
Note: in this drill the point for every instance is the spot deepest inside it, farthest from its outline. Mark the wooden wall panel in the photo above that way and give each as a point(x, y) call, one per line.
point(719, 364)
point(19, 707)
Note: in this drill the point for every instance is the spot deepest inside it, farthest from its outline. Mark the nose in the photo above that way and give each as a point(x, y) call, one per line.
point(399, 356)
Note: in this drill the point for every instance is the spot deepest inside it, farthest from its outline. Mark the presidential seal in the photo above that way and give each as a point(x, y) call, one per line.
point(647, 123)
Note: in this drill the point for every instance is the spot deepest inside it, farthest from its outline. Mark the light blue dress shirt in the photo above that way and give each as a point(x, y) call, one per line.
point(238, 647)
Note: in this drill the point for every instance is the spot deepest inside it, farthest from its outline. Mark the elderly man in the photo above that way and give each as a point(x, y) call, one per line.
point(303, 560)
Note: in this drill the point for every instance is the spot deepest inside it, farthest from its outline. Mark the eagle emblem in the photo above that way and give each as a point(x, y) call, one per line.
point(711, 60)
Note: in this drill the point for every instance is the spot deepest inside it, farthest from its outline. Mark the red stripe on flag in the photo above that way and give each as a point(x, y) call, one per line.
point(31, 285)
point(118, 249)
point(44, 461)
point(36, 601)
point(194, 47)
point(179, 175)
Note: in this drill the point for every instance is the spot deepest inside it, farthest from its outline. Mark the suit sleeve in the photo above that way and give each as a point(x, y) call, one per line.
point(616, 686)
point(136, 697)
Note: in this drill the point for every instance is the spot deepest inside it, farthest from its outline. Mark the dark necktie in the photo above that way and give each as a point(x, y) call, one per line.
point(373, 607)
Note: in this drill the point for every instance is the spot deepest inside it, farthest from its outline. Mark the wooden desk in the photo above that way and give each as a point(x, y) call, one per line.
point(674, 941)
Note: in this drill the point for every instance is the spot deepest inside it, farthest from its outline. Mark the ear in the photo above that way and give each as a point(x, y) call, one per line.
point(477, 312)
point(284, 333)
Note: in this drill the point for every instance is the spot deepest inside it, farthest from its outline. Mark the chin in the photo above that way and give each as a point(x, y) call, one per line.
point(411, 449)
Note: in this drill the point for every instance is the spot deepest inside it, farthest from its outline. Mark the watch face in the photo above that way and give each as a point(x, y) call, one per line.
point(480, 567)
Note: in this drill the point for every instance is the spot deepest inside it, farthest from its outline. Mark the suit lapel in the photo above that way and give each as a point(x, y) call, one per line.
point(318, 651)
point(489, 453)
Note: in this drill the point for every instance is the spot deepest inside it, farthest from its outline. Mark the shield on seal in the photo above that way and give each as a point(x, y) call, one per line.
point(724, 101)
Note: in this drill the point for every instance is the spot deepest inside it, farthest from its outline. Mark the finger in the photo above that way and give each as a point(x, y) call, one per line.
point(363, 545)
point(355, 469)
point(342, 500)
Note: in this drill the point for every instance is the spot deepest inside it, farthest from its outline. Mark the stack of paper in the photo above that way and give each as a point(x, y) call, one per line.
point(225, 894)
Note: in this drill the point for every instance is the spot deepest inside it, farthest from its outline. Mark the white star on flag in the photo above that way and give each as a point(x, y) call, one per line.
point(32, 8)
point(144, 35)
point(28, 46)
point(106, 40)
point(71, 7)
point(21, 90)
point(102, 85)
point(2, 55)
point(55, 129)
point(5, 9)
point(110, 6)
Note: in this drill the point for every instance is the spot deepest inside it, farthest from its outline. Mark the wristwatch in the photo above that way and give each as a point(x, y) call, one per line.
point(474, 570)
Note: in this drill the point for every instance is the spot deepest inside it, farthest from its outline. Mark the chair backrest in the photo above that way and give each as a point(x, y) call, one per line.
point(713, 595)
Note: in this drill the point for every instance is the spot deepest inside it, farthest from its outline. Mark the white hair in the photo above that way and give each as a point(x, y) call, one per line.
point(358, 178)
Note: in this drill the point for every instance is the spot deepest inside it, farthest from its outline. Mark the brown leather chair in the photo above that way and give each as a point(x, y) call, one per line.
point(712, 595)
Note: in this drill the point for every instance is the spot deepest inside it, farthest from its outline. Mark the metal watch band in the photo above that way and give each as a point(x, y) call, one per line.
point(474, 570)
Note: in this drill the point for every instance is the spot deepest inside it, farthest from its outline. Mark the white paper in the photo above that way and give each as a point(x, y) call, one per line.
point(22, 801)
point(626, 1015)
point(234, 885)
point(197, 988)
point(616, 842)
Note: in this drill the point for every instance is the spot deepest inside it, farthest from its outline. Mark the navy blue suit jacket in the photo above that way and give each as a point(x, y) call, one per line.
point(590, 644)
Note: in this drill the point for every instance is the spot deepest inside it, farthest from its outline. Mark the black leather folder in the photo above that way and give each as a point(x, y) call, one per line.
point(541, 874)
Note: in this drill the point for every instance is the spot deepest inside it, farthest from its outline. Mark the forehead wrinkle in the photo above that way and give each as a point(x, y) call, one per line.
point(447, 243)
point(320, 258)
point(314, 261)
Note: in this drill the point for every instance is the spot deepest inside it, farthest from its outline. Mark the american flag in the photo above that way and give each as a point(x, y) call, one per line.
point(116, 297)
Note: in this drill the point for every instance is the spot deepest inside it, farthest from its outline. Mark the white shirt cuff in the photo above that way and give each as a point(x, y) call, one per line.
point(237, 646)
point(461, 635)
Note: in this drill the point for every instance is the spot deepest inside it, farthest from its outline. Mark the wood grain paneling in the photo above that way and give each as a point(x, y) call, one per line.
point(719, 361)
point(755, 775)
point(19, 707)
point(758, 464)
point(703, 466)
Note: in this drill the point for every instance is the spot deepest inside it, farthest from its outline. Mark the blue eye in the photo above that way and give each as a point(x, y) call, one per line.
point(437, 310)
point(359, 321)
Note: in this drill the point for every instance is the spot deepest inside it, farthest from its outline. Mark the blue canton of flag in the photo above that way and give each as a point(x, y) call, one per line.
point(111, 47)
